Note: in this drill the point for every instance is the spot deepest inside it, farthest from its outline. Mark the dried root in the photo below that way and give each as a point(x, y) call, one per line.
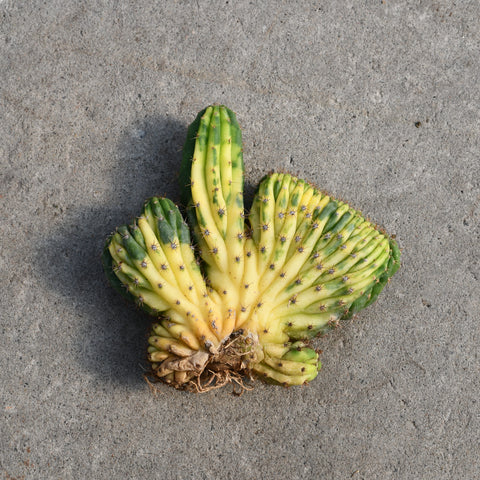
point(203, 372)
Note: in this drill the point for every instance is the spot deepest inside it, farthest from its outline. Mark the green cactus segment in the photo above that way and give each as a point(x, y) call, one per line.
point(153, 262)
point(288, 364)
point(319, 260)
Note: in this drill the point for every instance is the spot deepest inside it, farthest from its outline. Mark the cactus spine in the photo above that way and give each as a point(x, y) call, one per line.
point(302, 262)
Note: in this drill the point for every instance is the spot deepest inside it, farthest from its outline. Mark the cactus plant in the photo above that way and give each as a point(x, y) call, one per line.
point(263, 286)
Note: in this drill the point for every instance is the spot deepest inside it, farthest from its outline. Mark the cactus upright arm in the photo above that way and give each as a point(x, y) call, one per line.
point(213, 190)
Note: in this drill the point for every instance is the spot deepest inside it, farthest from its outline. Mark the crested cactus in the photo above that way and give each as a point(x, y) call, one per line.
point(265, 285)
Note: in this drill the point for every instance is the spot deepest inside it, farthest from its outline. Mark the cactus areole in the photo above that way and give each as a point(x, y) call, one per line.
point(246, 294)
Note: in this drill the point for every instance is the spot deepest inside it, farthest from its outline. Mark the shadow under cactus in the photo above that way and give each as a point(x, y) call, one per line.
point(113, 335)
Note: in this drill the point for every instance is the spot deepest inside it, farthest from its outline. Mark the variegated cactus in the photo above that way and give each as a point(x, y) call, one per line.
point(265, 286)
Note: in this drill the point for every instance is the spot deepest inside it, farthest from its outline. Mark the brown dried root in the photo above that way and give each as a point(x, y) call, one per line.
point(202, 371)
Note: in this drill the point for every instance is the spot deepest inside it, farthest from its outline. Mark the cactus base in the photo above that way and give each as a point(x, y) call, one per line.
point(200, 372)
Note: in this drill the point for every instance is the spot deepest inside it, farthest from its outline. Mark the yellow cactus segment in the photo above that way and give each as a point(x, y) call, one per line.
point(304, 208)
point(236, 222)
point(158, 356)
point(303, 321)
point(225, 157)
point(175, 265)
point(161, 331)
point(156, 253)
point(213, 172)
point(184, 334)
point(201, 197)
point(229, 322)
point(193, 269)
point(268, 373)
point(232, 184)
point(176, 301)
point(290, 368)
point(169, 345)
point(283, 182)
point(249, 287)
point(265, 234)
point(151, 299)
point(275, 350)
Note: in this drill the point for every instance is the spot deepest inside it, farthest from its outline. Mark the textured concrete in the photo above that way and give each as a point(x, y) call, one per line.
point(377, 102)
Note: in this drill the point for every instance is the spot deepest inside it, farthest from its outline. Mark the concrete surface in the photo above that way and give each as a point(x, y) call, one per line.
point(375, 101)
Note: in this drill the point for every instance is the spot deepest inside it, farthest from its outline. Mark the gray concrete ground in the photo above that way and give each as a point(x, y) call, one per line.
point(376, 102)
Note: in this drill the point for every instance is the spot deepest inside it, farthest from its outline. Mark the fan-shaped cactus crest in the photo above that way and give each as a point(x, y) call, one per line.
point(250, 292)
